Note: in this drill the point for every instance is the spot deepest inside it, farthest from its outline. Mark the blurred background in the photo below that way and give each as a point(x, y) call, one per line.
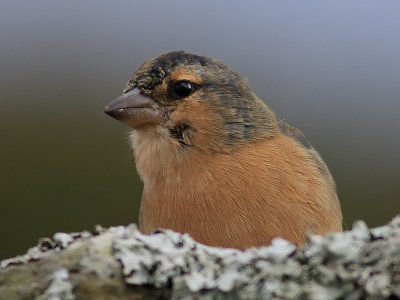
point(330, 68)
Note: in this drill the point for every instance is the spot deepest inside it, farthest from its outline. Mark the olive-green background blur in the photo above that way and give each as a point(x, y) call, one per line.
point(331, 68)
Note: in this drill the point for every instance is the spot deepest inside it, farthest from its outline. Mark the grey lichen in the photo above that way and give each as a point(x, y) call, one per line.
point(119, 262)
point(360, 263)
point(59, 242)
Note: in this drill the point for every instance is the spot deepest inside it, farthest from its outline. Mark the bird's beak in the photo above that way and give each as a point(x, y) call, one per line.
point(136, 110)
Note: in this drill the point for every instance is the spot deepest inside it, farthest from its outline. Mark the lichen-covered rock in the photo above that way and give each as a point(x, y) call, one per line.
point(122, 263)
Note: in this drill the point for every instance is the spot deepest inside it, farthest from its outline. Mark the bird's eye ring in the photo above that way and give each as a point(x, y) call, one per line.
point(183, 88)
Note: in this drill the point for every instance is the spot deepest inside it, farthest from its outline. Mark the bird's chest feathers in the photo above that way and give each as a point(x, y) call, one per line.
point(179, 186)
point(164, 166)
point(224, 194)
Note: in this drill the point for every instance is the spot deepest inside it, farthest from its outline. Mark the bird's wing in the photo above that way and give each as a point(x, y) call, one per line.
point(298, 136)
point(294, 133)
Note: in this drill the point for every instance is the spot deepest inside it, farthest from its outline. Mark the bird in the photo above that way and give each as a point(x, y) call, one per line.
point(215, 161)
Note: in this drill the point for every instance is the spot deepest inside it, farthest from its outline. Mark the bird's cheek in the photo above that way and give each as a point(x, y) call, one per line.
point(204, 128)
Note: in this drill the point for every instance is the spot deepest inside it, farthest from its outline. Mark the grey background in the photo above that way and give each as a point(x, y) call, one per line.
point(330, 68)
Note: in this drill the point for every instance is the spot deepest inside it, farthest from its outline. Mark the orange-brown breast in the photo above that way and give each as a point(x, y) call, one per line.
point(273, 187)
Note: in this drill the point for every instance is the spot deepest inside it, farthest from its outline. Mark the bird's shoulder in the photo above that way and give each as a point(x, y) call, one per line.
point(298, 136)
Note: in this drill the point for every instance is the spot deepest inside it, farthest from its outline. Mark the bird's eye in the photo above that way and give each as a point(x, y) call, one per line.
point(183, 88)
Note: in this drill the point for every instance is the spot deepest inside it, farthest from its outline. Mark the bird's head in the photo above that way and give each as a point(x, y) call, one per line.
point(194, 101)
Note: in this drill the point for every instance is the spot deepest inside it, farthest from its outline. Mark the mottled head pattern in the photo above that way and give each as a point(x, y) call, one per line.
point(154, 71)
point(245, 117)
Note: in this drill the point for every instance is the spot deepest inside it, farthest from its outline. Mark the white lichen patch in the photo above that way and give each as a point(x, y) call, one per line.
point(63, 239)
point(98, 258)
point(33, 254)
point(60, 287)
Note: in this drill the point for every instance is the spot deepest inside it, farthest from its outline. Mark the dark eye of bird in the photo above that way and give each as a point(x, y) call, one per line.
point(183, 89)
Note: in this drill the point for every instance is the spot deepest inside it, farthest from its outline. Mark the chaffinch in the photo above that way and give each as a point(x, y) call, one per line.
point(215, 161)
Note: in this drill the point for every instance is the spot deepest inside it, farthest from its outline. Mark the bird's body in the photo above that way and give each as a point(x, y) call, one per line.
point(214, 162)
